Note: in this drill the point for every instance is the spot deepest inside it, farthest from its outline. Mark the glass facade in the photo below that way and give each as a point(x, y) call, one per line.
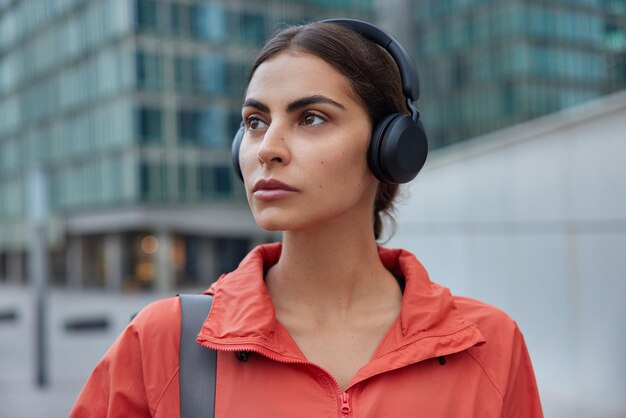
point(63, 104)
point(128, 104)
point(488, 64)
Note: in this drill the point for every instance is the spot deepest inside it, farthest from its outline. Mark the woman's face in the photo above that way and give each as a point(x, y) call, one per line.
point(304, 153)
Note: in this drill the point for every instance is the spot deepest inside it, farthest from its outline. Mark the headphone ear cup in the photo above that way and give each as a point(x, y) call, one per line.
point(401, 148)
point(373, 153)
point(235, 151)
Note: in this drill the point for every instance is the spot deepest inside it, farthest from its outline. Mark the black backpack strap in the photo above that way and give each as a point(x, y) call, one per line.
point(197, 364)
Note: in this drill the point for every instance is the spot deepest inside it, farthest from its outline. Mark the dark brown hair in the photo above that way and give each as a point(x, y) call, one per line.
point(371, 73)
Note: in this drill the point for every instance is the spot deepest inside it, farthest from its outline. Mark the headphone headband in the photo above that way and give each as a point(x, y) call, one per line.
point(406, 66)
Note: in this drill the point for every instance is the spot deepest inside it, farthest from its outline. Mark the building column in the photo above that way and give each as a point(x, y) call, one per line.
point(15, 267)
point(164, 266)
point(74, 262)
point(113, 262)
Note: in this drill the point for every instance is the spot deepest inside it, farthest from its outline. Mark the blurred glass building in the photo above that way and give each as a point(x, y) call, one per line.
point(487, 64)
point(129, 107)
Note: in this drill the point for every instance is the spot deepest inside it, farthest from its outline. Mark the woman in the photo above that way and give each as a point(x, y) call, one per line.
point(331, 324)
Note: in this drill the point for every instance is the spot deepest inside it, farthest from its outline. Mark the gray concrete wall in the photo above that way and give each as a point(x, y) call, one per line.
point(70, 356)
point(533, 220)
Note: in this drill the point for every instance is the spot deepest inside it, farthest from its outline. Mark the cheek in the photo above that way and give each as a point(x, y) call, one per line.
point(247, 160)
point(343, 173)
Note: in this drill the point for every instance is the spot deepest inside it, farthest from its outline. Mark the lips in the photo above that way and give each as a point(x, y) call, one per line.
point(270, 189)
point(272, 184)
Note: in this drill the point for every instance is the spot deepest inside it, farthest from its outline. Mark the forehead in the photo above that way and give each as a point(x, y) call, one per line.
point(292, 74)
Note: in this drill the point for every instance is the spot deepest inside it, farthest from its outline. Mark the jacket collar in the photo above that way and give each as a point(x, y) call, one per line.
point(242, 316)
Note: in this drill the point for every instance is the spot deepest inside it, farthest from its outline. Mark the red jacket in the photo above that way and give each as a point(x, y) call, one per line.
point(486, 373)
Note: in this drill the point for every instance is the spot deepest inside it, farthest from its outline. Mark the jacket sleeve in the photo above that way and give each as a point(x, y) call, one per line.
point(139, 370)
point(521, 398)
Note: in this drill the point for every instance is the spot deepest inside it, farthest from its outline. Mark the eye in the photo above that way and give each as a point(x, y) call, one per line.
point(311, 119)
point(254, 124)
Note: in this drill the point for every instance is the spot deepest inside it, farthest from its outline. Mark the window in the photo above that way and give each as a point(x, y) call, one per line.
point(149, 125)
point(180, 15)
point(204, 128)
point(252, 28)
point(183, 183)
point(236, 75)
point(146, 15)
point(614, 36)
point(187, 126)
point(210, 74)
point(205, 181)
point(183, 74)
point(234, 123)
point(618, 70)
point(152, 181)
point(223, 183)
point(149, 71)
point(214, 181)
point(209, 22)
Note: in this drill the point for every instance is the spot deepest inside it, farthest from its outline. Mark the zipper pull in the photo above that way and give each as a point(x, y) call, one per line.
point(345, 403)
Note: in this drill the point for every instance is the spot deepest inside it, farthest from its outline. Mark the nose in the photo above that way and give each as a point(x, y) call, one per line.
point(273, 148)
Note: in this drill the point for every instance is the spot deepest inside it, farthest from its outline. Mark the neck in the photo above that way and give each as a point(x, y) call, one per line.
point(333, 271)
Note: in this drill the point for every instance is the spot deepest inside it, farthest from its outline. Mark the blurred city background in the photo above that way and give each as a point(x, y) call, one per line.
point(116, 187)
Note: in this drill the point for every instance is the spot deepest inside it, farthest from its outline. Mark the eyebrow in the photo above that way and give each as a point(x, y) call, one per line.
point(296, 104)
point(256, 104)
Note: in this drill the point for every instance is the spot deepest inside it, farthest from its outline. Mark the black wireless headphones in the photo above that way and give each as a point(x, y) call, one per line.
point(398, 148)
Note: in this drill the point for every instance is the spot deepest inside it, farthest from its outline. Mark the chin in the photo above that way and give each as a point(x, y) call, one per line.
point(272, 223)
point(270, 226)
point(306, 216)
point(281, 220)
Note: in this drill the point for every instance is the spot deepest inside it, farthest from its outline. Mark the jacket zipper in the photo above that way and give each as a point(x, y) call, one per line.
point(345, 403)
point(344, 397)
